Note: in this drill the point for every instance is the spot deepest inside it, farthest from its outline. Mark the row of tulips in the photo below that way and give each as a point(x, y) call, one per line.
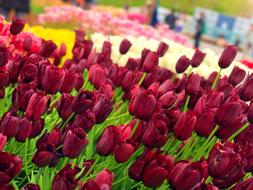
point(93, 124)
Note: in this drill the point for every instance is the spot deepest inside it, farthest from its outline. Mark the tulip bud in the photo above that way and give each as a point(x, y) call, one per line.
point(107, 48)
point(79, 36)
point(74, 143)
point(214, 99)
point(107, 88)
point(28, 73)
point(3, 55)
point(130, 79)
point(246, 90)
point(83, 101)
point(154, 177)
point(28, 42)
point(44, 156)
point(102, 108)
point(97, 75)
point(47, 48)
point(4, 77)
point(64, 106)
point(124, 46)
point(151, 62)
point(162, 49)
point(85, 121)
point(205, 123)
point(227, 56)
point(166, 86)
point(3, 140)
point(197, 58)
point(185, 125)
point(250, 113)
point(236, 76)
point(37, 106)
point(11, 165)
point(193, 84)
point(17, 26)
point(133, 64)
point(7, 187)
point(167, 100)
point(117, 73)
point(9, 124)
point(247, 185)
point(24, 131)
point(182, 64)
point(90, 185)
point(37, 127)
point(204, 186)
point(31, 186)
point(123, 152)
point(69, 82)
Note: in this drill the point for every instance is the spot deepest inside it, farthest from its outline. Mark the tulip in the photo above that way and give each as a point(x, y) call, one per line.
point(2, 93)
point(79, 36)
point(154, 177)
point(65, 179)
point(182, 64)
point(107, 88)
point(151, 62)
point(117, 73)
point(245, 91)
point(225, 165)
point(3, 55)
point(11, 165)
point(9, 124)
point(197, 58)
point(13, 68)
point(107, 48)
point(236, 76)
point(85, 121)
point(29, 73)
point(28, 42)
point(228, 113)
point(97, 75)
point(64, 106)
point(167, 100)
point(133, 64)
point(37, 127)
point(214, 99)
point(130, 79)
point(166, 86)
point(102, 108)
point(164, 74)
point(107, 141)
point(44, 155)
point(162, 49)
point(83, 101)
point(47, 48)
point(90, 185)
point(69, 82)
point(74, 142)
point(185, 125)
point(181, 84)
point(53, 79)
point(4, 77)
point(82, 50)
point(17, 26)
point(204, 186)
point(31, 186)
point(37, 106)
point(138, 105)
point(104, 179)
point(3, 140)
point(247, 185)
point(24, 131)
point(124, 46)
point(193, 84)
point(7, 187)
point(144, 54)
point(123, 152)
point(227, 56)
point(205, 123)
point(104, 60)
point(250, 113)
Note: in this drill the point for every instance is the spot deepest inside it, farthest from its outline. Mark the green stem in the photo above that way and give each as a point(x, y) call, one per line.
point(67, 121)
point(239, 131)
point(142, 79)
point(216, 79)
point(121, 180)
point(135, 127)
point(186, 103)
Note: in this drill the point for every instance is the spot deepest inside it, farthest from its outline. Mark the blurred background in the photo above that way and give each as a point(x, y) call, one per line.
point(206, 24)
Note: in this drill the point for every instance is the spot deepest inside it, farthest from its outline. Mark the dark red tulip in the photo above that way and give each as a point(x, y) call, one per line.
point(9, 124)
point(4, 77)
point(181, 84)
point(214, 99)
point(151, 62)
point(185, 125)
point(13, 68)
point(85, 121)
point(24, 131)
point(228, 113)
point(3, 140)
point(162, 49)
point(17, 26)
point(28, 42)
point(164, 74)
point(31, 186)
point(29, 73)
point(144, 54)
point(186, 175)
point(117, 73)
point(107, 141)
point(79, 35)
point(11, 165)
point(244, 185)
point(123, 152)
point(225, 165)
point(97, 75)
point(124, 46)
point(166, 86)
point(205, 123)
point(69, 82)
point(82, 50)
point(133, 64)
point(83, 101)
point(135, 170)
point(47, 48)
point(65, 179)
point(107, 88)
point(197, 58)
point(74, 142)
point(236, 76)
point(3, 55)
point(138, 105)
point(250, 113)
point(130, 79)
point(104, 179)
point(154, 177)
point(37, 106)
point(64, 106)
point(227, 56)
point(204, 186)
point(37, 127)
point(90, 185)
point(102, 108)
point(167, 100)
point(193, 84)
point(53, 79)
point(44, 156)
point(107, 48)
point(7, 187)
point(246, 90)
point(182, 64)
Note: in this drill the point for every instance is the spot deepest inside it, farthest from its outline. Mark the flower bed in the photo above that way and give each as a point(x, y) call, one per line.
point(93, 124)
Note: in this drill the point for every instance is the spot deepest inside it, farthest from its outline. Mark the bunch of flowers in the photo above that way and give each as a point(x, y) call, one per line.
point(106, 23)
point(93, 124)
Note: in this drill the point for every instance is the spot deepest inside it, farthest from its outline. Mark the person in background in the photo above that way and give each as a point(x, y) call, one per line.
point(171, 19)
point(21, 7)
point(200, 29)
point(154, 17)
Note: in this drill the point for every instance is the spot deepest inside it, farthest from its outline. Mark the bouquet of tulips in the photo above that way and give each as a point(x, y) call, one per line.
point(94, 125)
